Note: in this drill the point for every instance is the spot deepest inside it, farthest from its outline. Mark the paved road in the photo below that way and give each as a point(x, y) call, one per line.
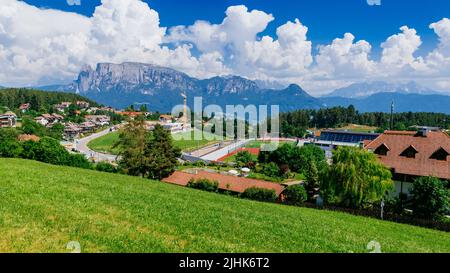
point(81, 146)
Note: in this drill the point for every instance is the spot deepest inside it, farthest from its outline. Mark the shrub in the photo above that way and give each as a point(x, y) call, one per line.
point(295, 194)
point(8, 134)
point(271, 169)
point(200, 164)
point(260, 194)
point(204, 185)
point(105, 167)
point(78, 161)
point(10, 148)
point(48, 150)
point(298, 158)
point(244, 158)
point(430, 197)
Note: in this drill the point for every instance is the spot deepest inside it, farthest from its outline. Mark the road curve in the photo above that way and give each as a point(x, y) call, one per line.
point(81, 146)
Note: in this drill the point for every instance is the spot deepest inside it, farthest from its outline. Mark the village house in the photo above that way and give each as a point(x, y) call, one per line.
point(49, 120)
point(82, 104)
point(108, 109)
point(92, 110)
point(174, 127)
point(41, 120)
point(226, 182)
point(24, 107)
point(87, 127)
point(71, 131)
point(62, 106)
point(8, 119)
point(131, 115)
point(165, 118)
point(412, 154)
point(98, 120)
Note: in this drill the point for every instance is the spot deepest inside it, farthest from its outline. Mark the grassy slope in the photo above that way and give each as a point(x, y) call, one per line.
point(186, 141)
point(105, 143)
point(43, 207)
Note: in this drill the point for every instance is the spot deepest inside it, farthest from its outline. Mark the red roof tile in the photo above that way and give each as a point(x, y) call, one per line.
point(426, 146)
point(226, 182)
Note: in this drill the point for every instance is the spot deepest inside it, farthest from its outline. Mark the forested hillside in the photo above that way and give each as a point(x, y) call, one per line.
point(294, 123)
point(13, 98)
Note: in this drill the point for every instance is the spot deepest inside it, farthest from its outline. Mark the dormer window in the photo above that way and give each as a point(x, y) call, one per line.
point(382, 150)
point(410, 152)
point(441, 154)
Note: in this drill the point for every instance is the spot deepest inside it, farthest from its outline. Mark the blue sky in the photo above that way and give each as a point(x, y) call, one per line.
point(326, 19)
point(332, 44)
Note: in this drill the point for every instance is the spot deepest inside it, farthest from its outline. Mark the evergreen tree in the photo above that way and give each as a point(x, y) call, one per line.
point(150, 155)
point(132, 143)
point(161, 156)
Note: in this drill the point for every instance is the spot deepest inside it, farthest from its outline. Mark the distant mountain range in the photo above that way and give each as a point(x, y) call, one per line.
point(120, 85)
point(381, 102)
point(366, 89)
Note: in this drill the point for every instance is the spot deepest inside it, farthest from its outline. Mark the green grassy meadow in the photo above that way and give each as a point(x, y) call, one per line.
point(105, 143)
point(43, 207)
point(186, 142)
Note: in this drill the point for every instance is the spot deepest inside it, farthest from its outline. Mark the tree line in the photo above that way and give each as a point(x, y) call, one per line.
point(40, 101)
point(295, 124)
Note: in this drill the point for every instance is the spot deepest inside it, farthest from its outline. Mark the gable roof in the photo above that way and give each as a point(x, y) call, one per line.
point(8, 114)
point(226, 182)
point(438, 151)
point(426, 146)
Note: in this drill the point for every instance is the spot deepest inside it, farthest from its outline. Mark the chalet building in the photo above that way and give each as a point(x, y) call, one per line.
point(87, 127)
point(226, 182)
point(8, 119)
point(174, 127)
point(41, 120)
point(98, 120)
point(165, 118)
point(49, 120)
point(92, 110)
point(71, 131)
point(83, 104)
point(131, 115)
point(412, 154)
point(62, 106)
point(24, 107)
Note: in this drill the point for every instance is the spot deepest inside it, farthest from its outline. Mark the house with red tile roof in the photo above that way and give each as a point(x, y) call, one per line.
point(24, 107)
point(8, 119)
point(226, 182)
point(131, 115)
point(165, 118)
point(412, 154)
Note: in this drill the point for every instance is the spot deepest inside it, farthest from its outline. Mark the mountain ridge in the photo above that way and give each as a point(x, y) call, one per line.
point(120, 85)
point(366, 89)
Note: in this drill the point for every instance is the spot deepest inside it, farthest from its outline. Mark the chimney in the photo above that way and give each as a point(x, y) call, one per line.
point(424, 131)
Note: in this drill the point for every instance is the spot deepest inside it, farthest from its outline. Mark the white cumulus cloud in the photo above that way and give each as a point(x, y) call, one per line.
point(46, 46)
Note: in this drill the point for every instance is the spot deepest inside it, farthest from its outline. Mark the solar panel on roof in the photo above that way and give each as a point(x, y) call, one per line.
point(347, 137)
